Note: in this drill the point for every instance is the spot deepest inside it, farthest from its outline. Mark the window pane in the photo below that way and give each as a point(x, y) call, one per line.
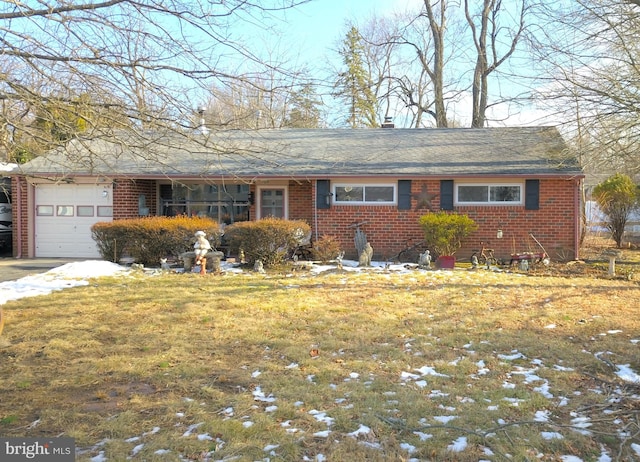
point(505, 193)
point(473, 194)
point(85, 210)
point(105, 211)
point(44, 210)
point(378, 194)
point(349, 194)
point(64, 210)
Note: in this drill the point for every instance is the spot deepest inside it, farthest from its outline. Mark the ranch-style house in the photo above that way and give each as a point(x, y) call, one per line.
point(521, 185)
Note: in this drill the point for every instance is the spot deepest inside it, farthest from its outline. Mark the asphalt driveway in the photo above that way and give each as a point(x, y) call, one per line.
point(14, 268)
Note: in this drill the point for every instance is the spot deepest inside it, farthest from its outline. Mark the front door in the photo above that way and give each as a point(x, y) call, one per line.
point(272, 203)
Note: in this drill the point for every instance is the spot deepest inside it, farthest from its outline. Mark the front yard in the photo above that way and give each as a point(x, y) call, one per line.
point(457, 365)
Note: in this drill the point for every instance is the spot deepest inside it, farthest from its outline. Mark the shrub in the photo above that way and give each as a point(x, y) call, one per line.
point(444, 232)
point(618, 196)
point(149, 239)
point(325, 249)
point(271, 240)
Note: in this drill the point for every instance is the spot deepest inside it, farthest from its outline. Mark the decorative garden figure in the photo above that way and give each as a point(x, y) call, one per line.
point(201, 248)
point(424, 260)
point(366, 255)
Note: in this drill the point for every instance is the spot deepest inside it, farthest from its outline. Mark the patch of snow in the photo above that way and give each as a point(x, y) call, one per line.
point(428, 370)
point(258, 395)
point(423, 436)
point(362, 430)
point(410, 448)
point(627, 374)
point(99, 458)
point(551, 435)
point(458, 445)
point(444, 418)
point(513, 356)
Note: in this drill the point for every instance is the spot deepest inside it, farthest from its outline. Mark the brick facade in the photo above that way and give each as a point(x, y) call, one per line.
point(388, 229)
point(126, 194)
point(20, 193)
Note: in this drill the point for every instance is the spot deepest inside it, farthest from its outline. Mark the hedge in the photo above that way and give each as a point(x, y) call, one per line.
point(270, 240)
point(149, 239)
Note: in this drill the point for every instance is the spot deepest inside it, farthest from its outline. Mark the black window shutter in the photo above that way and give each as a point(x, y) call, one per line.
point(404, 194)
point(446, 194)
point(323, 194)
point(532, 195)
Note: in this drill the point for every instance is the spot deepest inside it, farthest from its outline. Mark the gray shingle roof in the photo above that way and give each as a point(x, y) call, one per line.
point(316, 153)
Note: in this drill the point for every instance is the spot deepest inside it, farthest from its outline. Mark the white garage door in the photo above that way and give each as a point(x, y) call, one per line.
point(64, 216)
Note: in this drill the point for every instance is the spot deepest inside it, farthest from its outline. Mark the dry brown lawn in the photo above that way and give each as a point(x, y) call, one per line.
point(461, 365)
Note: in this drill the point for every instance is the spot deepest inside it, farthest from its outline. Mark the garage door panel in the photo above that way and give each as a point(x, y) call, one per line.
point(64, 233)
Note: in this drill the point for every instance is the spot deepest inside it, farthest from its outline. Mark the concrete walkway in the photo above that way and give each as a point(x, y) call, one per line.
point(14, 268)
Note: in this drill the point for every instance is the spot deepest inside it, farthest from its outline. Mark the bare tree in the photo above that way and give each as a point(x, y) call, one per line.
point(488, 43)
point(589, 50)
point(149, 63)
point(425, 56)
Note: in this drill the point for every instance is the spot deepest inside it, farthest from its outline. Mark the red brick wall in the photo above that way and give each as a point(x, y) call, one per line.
point(125, 197)
point(389, 229)
point(20, 200)
point(301, 201)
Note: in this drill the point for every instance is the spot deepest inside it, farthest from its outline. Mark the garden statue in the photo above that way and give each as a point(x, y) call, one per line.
point(339, 259)
point(201, 248)
point(366, 255)
point(424, 260)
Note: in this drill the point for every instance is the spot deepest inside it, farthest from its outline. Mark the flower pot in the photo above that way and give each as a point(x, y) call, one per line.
point(446, 262)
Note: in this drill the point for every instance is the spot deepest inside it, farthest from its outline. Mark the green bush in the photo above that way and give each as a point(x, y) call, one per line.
point(149, 239)
point(618, 196)
point(326, 249)
point(270, 240)
point(444, 232)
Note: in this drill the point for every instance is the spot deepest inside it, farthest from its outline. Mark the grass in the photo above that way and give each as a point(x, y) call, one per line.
point(249, 367)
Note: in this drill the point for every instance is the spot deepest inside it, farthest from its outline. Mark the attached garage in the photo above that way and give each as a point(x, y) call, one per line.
point(64, 214)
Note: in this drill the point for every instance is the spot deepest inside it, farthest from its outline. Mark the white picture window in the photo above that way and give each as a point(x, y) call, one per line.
point(491, 194)
point(379, 194)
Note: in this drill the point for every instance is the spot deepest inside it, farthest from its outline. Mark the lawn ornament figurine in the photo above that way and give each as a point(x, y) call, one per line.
point(366, 255)
point(424, 259)
point(201, 248)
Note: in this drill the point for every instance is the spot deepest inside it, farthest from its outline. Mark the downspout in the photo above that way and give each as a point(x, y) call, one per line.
point(578, 220)
point(18, 215)
point(314, 197)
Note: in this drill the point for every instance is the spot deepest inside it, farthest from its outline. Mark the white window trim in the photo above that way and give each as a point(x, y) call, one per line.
point(489, 184)
point(258, 198)
point(363, 185)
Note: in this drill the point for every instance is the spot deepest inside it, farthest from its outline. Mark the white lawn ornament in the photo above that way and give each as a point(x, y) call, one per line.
point(201, 247)
point(424, 260)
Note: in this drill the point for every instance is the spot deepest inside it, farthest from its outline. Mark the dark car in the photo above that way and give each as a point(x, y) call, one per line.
point(5, 226)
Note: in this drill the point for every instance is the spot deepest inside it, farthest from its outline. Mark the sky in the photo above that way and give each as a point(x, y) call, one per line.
point(316, 29)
